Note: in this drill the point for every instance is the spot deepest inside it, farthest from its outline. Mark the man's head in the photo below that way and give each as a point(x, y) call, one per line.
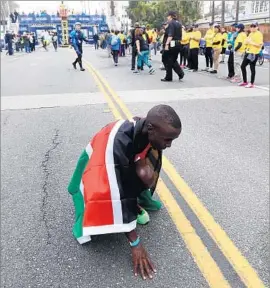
point(171, 15)
point(163, 126)
point(137, 25)
point(147, 27)
point(211, 24)
point(78, 26)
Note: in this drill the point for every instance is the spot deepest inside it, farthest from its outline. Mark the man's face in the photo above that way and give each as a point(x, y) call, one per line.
point(78, 27)
point(252, 28)
point(169, 17)
point(161, 137)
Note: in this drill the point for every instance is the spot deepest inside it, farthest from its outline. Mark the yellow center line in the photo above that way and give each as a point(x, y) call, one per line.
point(243, 268)
point(202, 257)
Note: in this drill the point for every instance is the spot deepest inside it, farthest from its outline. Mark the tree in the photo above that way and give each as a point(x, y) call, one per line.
point(154, 12)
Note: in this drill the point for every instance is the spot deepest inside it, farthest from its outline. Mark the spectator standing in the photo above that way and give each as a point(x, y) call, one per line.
point(224, 43)
point(96, 39)
point(239, 51)
point(154, 41)
point(231, 39)
point(254, 44)
point(184, 48)
point(194, 45)
point(217, 47)
point(209, 47)
point(54, 41)
point(8, 41)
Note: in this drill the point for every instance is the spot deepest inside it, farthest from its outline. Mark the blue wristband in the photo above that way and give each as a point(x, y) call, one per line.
point(135, 243)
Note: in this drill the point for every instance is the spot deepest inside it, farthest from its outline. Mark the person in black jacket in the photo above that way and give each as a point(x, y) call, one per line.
point(133, 45)
point(172, 47)
point(8, 41)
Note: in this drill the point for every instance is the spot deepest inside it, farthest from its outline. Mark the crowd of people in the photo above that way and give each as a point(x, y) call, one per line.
point(181, 46)
point(27, 41)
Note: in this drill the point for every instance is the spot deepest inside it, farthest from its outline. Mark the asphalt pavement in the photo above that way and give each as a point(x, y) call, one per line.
point(49, 113)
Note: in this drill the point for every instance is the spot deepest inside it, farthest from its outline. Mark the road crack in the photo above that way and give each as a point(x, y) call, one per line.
point(45, 193)
point(5, 120)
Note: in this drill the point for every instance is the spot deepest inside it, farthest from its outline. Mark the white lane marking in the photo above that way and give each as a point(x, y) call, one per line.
point(262, 87)
point(50, 100)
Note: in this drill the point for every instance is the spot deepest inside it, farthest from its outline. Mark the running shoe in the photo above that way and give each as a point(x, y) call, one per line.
point(250, 85)
point(243, 84)
point(142, 217)
point(151, 71)
point(236, 80)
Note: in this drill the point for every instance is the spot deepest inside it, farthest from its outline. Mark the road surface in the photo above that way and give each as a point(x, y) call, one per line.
point(50, 112)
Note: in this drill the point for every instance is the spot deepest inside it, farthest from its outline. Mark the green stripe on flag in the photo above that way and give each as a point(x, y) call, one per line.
point(74, 190)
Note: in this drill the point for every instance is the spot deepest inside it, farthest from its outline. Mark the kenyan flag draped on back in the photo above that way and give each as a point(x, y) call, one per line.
point(104, 203)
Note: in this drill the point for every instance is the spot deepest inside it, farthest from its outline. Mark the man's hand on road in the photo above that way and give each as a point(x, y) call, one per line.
point(142, 262)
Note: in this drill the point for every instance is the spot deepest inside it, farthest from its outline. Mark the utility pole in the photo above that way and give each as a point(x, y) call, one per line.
point(213, 11)
point(112, 8)
point(113, 20)
point(237, 11)
point(223, 13)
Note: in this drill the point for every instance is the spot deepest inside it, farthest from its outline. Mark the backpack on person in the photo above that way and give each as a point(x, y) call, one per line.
point(114, 40)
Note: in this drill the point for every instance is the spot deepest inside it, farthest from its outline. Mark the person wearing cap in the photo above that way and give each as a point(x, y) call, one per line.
point(239, 51)
point(172, 48)
point(77, 38)
point(194, 46)
point(209, 47)
point(254, 44)
point(224, 43)
point(231, 39)
point(133, 45)
point(217, 45)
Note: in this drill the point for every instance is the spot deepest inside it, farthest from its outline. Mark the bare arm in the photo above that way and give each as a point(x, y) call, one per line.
point(138, 46)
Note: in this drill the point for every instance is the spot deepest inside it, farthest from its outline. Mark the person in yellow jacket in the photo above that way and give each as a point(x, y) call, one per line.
point(224, 44)
point(239, 51)
point(254, 43)
point(194, 45)
point(122, 37)
point(217, 45)
point(149, 33)
point(209, 47)
point(184, 48)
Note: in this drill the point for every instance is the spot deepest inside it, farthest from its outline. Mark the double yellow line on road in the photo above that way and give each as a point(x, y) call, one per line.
point(202, 257)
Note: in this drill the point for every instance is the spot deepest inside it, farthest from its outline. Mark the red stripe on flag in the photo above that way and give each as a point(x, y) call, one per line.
point(97, 195)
